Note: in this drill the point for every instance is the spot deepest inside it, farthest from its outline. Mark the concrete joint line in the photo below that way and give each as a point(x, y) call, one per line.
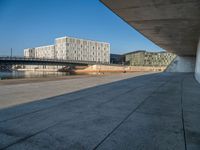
point(25, 138)
point(114, 129)
point(29, 136)
point(182, 115)
point(50, 107)
point(76, 99)
point(131, 90)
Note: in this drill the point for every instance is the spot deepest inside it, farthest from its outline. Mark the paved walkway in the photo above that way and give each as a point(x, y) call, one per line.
point(149, 112)
point(31, 90)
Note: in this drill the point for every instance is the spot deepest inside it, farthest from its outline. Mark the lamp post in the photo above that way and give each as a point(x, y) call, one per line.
point(11, 52)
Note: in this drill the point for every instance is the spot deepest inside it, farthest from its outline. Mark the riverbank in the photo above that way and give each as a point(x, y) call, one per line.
point(18, 91)
point(99, 68)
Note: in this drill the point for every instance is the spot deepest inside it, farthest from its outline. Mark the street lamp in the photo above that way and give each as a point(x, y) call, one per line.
point(11, 52)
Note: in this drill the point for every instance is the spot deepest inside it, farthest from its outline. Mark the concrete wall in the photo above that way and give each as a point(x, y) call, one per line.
point(115, 68)
point(197, 67)
point(182, 64)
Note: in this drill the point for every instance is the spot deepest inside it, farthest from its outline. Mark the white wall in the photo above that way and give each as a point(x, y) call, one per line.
point(182, 64)
point(197, 67)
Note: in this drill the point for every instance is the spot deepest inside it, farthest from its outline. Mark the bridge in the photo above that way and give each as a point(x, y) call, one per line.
point(6, 63)
point(43, 61)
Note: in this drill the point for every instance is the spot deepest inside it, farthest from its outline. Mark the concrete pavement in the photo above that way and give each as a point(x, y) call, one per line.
point(32, 90)
point(156, 111)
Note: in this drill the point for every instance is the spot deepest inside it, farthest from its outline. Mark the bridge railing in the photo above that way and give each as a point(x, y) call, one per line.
point(17, 58)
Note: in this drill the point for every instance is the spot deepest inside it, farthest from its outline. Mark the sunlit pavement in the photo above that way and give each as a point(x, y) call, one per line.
point(149, 112)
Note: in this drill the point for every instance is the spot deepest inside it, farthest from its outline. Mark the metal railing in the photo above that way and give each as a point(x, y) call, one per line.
point(25, 59)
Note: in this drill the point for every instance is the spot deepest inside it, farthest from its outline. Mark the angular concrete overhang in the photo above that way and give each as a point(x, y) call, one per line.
point(173, 25)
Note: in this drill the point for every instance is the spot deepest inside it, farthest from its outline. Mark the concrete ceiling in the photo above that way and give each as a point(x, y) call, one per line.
point(173, 25)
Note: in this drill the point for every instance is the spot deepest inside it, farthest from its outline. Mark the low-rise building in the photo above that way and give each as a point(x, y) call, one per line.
point(144, 58)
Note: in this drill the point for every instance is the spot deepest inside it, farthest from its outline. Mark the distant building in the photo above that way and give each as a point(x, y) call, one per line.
point(45, 52)
point(68, 48)
point(117, 59)
point(144, 58)
point(29, 52)
point(79, 49)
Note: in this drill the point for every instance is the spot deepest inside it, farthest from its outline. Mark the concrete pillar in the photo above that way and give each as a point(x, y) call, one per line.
point(197, 67)
point(182, 64)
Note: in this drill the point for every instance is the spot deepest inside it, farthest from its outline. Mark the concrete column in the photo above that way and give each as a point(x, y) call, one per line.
point(197, 67)
point(182, 64)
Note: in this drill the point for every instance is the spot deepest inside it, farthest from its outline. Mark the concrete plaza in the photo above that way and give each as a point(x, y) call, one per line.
point(158, 111)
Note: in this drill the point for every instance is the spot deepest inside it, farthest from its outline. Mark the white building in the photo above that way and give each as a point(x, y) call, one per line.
point(84, 50)
point(69, 48)
point(45, 52)
point(29, 52)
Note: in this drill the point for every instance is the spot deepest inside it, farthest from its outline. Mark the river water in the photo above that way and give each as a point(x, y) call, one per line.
point(30, 74)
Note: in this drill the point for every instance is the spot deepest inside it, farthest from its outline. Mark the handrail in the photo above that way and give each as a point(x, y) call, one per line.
point(15, 58)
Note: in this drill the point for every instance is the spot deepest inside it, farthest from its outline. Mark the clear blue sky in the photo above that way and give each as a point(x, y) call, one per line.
point(31, 23)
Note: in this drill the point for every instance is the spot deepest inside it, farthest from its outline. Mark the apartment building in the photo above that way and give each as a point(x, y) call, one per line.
point(144, 58)
point(29, 52)
point(69, 48)
point(45, 52)
point(84, 50)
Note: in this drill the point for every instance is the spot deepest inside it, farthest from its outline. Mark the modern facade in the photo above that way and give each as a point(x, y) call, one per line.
point(45, 52)
point(144, 58)
point(68, 48)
